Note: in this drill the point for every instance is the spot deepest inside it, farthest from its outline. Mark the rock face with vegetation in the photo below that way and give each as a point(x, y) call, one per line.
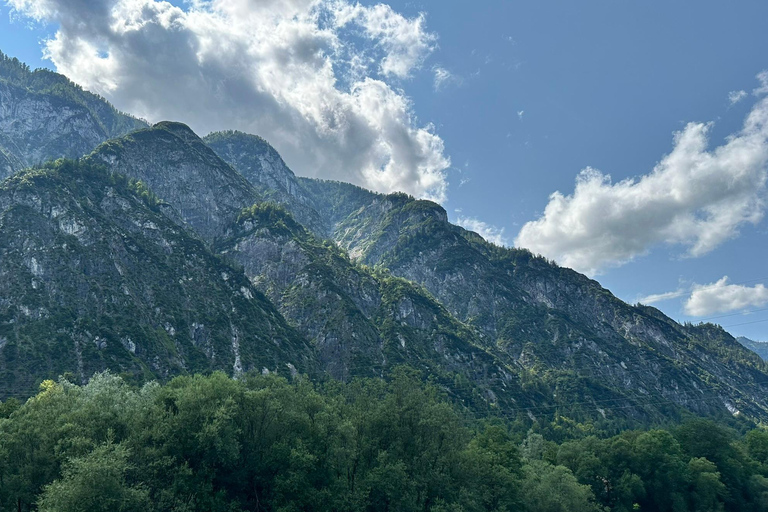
point(586, 344)
point(261, 165)
point(363, 322)
point(44, 116)
point(94, 276)
point(175, 163)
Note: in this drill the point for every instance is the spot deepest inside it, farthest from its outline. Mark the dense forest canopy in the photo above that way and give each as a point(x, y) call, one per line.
point(212, 443)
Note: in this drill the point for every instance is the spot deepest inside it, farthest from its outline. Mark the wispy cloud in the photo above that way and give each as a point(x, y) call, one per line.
point(694, 196)
point(736, 96)
point(661, 297)
point(442, 77)
point(321, 79)
point(762, 77)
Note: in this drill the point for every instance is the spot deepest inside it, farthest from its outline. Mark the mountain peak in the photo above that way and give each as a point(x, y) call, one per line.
point(44, 116)
point(265, 169)
point(175, 163)
point(180, 130)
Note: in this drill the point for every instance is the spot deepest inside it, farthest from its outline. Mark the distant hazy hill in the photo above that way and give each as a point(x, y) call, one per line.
point(758, 347)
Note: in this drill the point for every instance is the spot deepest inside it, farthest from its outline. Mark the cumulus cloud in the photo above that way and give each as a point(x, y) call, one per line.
point(490, 232)
point(311, 76)
point(736, 96)
point(694, 196)
point(660, 297)
point(721, 297)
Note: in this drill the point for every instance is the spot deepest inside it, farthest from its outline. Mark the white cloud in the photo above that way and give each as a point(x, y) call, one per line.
point(721, 297)
point(490, 232)
point(762, 77)
point(694, 196)
point(293, 71)
point(736, 96)
point(520, 114)
point(405, 41)
point(660, 297)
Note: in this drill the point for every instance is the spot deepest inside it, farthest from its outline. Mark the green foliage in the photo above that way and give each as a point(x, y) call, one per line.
point(262, 443)
point(270, 215)
point(95, 482)
point(549, 488)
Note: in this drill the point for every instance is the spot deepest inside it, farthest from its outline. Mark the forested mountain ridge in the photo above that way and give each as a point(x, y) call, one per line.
point(539, 318)
point(356, 282)
point(365, 323)
point(44, 116)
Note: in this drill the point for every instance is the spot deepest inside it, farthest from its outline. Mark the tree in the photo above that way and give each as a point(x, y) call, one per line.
point(95, 482)
point(706, 490)
point(549, 488)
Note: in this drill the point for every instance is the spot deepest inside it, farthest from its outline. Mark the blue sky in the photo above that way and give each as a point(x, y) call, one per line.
point(531, 94)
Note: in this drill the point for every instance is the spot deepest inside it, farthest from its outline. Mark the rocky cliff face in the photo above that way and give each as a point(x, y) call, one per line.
point(176, 165)
point(94, 276)
point(44, 116)
point(263, 167)
point(584, 342)
point(363, 323)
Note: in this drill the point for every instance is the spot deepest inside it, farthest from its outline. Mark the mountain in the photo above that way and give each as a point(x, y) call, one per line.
point(758, 347)
point(177, 165)
point(161, 253)
point(580, 339)
point(539, 321)
point(44, 116)
point(95, 276)
point(364, 323)
point(263, 167)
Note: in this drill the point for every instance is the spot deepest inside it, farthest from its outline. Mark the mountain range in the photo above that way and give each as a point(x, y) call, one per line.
point(152, 252)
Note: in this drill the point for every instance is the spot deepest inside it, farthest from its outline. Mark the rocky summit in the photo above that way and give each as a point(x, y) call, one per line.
point(153, 252)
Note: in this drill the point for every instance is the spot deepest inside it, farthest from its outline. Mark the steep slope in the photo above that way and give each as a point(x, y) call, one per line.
point(93, 275)
point(44, 116)
point(176, 165)
point(264, 168)
point(336, 201)
point(568, 329)
point(364, 323)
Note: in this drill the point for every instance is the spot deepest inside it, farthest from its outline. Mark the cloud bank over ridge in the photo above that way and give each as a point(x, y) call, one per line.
point(318, 78)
